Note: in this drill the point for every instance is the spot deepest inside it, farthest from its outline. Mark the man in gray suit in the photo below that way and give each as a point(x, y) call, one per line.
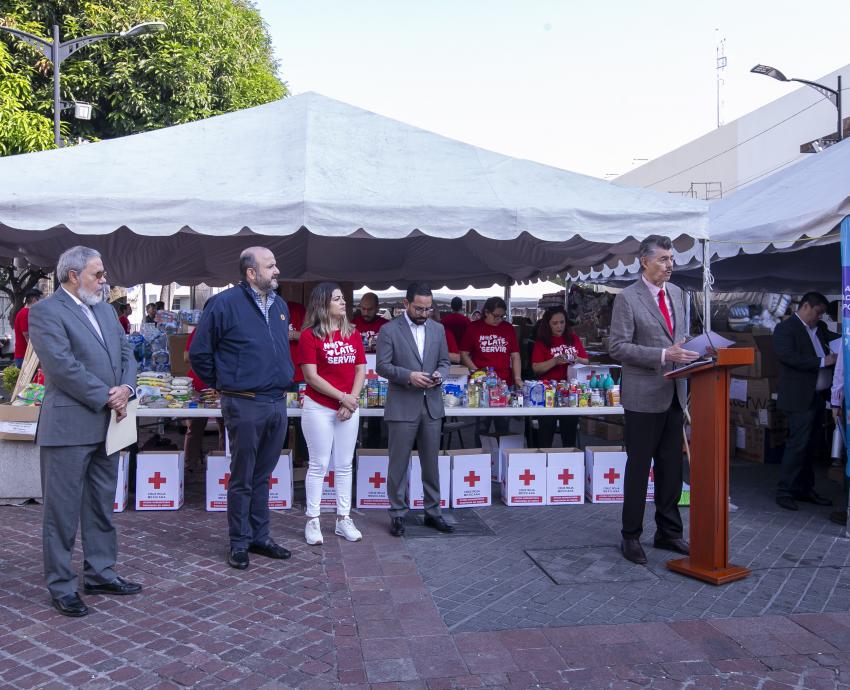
point(89, 370)
point(413, 356)
point(648, 330)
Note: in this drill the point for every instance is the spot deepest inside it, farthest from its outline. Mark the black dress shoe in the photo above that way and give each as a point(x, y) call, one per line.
point(633, 551)
point(787, 502)
point(676, 544)
point(270, 550)
point(118, 586)
point(397, 526)
point(439, 524)
point(812, 497)
point(238, 558)
point(839, 517)
point(70, 605)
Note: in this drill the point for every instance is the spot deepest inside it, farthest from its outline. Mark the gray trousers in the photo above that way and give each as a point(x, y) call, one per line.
point(78, 485)
point(425, 432)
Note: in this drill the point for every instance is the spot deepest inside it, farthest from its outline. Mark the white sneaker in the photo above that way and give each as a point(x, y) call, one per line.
point(345, 528)
point(313, 532)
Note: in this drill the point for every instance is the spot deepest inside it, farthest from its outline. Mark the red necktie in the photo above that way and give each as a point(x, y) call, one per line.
point(662, 304)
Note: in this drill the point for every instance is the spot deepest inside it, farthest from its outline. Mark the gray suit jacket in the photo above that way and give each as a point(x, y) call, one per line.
point(397, 356)
point(638, 335)
point(79, 369)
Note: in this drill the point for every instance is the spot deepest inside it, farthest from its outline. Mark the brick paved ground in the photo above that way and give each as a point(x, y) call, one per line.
point(441, 612)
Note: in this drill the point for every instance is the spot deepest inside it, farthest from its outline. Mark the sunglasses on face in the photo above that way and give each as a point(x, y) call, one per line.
point(99, 275)
point(423, 310)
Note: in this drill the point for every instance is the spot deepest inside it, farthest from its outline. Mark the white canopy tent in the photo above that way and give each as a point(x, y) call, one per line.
point(335, 191)
point(780, 233)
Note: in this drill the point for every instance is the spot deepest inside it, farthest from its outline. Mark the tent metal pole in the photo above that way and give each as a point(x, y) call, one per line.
point(508, 302)
point(706, 285)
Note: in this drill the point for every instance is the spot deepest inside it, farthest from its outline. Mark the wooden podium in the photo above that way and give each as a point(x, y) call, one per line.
point(709, 409)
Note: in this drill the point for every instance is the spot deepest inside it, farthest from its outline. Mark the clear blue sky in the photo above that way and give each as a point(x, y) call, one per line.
point(587, 86)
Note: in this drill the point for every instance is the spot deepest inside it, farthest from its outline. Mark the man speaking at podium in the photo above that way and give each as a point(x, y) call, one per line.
point(648, 329)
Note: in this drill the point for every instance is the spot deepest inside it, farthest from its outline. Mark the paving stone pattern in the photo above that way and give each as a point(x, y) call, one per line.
point(435, 613)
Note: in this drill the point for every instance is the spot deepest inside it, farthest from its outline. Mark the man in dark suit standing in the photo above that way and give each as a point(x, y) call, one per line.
point(648, 330)
point(89, 370)
point(805, 377)
point(241, 348)
point(414, 358)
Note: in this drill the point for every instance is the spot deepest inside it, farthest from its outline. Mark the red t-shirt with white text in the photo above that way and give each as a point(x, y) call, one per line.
point(570, 347)
point(336, 360)
point(491, 346)
point(369, 329)
point(296, 323)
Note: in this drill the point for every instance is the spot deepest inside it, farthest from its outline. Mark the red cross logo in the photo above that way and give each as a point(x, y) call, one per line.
point(472, 478)
point(225, 481)
point(611, 475)
point(157, 480)
point(527, 477)
point(272, 481)
point(377, 480)
point(565, 476)
point(329, 480)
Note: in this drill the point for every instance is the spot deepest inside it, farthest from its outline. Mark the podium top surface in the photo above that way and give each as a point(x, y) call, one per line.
point(726, 357)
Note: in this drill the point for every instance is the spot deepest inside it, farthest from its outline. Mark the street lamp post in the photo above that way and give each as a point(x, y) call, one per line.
point(56, 52)
point(832, 95)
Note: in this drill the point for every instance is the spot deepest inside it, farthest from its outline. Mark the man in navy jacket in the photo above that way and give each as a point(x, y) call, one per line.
point(805, 377)
point(241, 348)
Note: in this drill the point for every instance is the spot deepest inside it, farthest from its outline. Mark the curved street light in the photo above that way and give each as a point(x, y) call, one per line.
point(832, 95)
point(56, 52)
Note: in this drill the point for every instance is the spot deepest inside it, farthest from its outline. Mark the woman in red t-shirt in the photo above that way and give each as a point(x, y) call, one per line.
point(556, 348)
point(331, 355)
point(491, 342)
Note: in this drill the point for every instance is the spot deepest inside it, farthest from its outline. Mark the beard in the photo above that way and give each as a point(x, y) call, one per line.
point(266, 285)
point(93, 297)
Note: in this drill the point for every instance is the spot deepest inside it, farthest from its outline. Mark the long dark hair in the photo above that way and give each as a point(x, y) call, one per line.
point(318, 313)
point(544, 330)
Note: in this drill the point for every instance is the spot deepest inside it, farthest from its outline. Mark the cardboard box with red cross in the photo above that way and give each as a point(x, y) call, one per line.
point(123, 484)
point(496, 445)
point(159, 480)
point(650, 487)
point(564, 476)
point(328, 501)
point(372, 468)
point(470, 478)
point(218, 479)
point(524, 477)
point(604, 470)
point(415, 491)
point(280, 483)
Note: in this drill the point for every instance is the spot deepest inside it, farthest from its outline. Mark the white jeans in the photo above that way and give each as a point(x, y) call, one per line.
point(326, 436)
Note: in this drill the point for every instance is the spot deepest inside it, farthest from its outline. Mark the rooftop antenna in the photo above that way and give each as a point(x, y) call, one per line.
point(720, 65)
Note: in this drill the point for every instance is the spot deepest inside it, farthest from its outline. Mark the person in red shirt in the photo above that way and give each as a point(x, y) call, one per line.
point(368, 322)
point(556, 348)
point(22, 325)
point(296, 323)
point(196, 426)
point(124, 311)
point(455, 321)
point(454, 349)
point(491, 342)
point(334, 363)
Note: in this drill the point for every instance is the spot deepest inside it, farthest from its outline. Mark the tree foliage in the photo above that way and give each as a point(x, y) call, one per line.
point(214, 57)
point(15, 281)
